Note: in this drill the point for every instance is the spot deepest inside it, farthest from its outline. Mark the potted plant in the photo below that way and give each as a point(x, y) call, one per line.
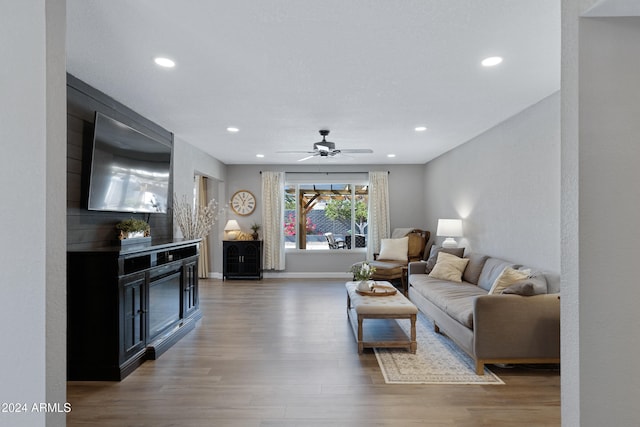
point(131, 228)
point(362, 274)
point(255, 227)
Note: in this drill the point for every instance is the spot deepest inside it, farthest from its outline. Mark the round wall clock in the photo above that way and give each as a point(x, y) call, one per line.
point(243, 202)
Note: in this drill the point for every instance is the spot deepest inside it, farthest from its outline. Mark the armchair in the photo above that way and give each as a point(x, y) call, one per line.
point(391, 265)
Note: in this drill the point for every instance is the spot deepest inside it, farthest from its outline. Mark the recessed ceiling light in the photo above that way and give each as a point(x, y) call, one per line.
point(491, 61)
point(391, 155)
point(260, 155)
point(232, 129)
point(164, 62)
point(420, 128)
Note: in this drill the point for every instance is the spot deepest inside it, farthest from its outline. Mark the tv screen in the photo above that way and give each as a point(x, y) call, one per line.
point(129, 170)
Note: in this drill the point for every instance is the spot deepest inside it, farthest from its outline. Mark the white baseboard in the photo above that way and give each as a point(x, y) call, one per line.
point(306, 275)
point(295, 275)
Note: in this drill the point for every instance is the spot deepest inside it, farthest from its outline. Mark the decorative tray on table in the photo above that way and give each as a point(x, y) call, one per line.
point(379, 291)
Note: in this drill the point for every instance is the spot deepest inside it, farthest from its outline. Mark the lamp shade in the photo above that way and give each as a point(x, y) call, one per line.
point(231, 229)
point(232, 225)
point(449, 228)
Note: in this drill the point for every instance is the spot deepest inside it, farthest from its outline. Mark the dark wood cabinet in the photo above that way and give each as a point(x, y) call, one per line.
point(190, 288)
point(128, 304)
point(134, 335)
point(242, 259)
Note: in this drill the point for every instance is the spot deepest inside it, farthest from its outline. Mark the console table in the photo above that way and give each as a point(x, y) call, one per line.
point(128, 304)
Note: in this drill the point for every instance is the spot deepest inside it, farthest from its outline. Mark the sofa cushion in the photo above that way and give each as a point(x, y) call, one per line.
point(455, 300)
point(387, 270)
point(508, 277)
point(433, 255)
point(394, 249)
point(490, 272)
point(474, 268)
point(449, 267)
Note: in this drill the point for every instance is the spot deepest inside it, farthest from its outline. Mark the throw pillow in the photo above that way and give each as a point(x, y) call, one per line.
point(474, 268)
point(394, 249)
point(433, 255)
point(523, 288)
point(449, 267)
point(508, 277)
point(536, 284)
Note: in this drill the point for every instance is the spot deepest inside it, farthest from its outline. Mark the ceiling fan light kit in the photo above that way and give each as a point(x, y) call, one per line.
point(326, 148)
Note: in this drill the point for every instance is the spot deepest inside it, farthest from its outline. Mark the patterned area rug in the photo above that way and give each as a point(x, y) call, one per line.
point(437, 361)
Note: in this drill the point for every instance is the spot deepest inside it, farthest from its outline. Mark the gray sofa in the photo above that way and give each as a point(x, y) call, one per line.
point(500, 328)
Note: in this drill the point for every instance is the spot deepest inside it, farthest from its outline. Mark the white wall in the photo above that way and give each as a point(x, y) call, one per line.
point(609, 232)
point(406, 210)
point(505, 184)
point(33, 173)
point(569, 303)
point(187, 162)
point(600, 128)
point(56, 210)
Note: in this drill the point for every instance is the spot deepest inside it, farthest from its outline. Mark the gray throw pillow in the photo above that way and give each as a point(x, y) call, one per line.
point(523, 288)
point(474, 268)
point(535, 285)
point(433, 255)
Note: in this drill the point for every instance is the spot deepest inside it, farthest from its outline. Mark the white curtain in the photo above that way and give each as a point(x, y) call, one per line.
point(202, 201)
point(273, 219)
point(379, 224)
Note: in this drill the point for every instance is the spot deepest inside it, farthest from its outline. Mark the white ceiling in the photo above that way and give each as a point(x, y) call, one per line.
point(280, 70)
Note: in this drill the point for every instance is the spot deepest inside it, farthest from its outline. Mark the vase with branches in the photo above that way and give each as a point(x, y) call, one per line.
point(195, 223)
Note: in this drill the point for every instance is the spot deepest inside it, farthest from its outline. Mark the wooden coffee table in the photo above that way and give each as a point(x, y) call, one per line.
point(381, 307)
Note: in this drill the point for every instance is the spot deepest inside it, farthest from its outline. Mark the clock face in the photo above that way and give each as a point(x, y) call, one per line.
point(243, 202)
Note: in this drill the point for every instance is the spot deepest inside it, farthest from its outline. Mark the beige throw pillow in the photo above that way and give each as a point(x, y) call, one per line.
point(508, 277)
point(394, 249)
point(449, 267)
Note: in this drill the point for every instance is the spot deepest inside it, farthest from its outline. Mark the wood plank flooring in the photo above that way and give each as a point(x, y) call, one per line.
point(281, 353)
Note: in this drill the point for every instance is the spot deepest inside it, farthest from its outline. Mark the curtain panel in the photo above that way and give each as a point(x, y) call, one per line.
point(379, 223)
point(201, 196)
point(273, 220)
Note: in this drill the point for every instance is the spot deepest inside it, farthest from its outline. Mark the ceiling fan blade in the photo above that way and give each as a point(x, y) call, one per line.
point(357, 150)
point(306, 158)
point(295, 152)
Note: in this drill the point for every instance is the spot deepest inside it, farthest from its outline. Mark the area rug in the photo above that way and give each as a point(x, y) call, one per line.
point(437, 361)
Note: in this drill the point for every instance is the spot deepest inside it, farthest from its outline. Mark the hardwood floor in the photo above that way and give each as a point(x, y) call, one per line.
point(282, 353)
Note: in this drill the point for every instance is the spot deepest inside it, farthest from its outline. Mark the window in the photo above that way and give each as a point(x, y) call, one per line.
point(312, 210)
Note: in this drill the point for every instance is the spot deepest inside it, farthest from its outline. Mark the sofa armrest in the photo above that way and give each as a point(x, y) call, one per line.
point(417, 267)
point(513, 326)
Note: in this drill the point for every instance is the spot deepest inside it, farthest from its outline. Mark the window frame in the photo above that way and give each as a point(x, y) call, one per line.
point(323, 181)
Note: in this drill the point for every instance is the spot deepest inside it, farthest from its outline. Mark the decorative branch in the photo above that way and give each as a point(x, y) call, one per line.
point(194, 224)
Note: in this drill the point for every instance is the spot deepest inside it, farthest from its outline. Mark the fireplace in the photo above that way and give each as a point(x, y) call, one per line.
point(164, 302)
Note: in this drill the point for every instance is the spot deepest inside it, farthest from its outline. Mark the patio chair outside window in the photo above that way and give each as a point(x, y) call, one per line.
point(335, 243)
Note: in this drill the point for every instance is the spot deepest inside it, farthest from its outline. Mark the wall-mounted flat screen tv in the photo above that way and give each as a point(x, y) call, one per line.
point(130, 171)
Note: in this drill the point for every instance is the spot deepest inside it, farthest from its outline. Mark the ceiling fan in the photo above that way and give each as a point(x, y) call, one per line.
point(326, 148)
